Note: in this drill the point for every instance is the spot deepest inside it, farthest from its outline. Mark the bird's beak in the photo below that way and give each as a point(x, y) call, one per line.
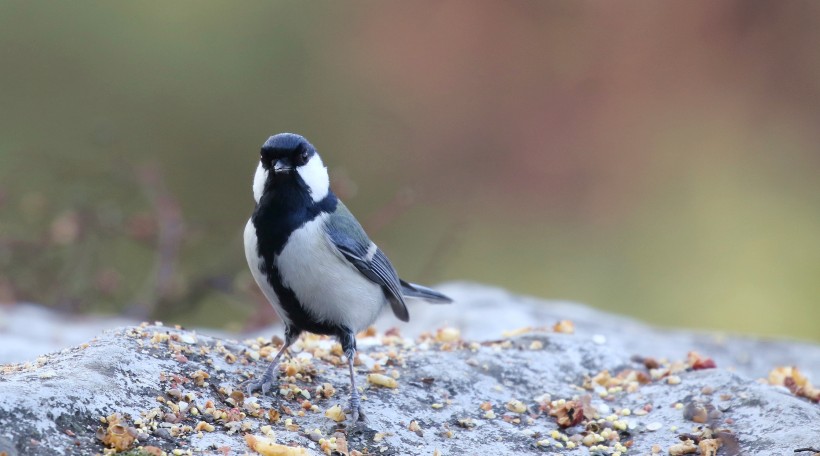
point(281, 167)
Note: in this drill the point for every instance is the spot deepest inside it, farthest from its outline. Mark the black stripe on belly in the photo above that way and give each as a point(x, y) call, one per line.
point(299, 318)
point(274, 220)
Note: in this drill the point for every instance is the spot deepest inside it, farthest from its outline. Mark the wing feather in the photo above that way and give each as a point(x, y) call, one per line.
point(348, 236)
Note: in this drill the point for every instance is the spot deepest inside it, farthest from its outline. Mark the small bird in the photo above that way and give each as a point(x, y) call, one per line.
point(312, 258)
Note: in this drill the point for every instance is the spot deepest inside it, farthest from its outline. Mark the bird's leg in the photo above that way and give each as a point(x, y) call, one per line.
point(267, 381)
point(348, 341)
point(355, 399)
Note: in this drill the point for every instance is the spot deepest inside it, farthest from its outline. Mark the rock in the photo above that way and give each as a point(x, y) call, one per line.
point(20, 340)
point(484, 312)
point(453, 397)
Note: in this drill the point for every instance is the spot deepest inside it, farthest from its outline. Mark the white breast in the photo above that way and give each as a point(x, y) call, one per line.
point(254, 262)
point(326, 284)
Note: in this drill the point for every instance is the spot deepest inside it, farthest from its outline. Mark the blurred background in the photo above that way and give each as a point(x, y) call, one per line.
point(659, 160)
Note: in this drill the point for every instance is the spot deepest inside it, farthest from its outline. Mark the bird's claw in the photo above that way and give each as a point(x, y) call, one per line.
point(355, 408)
point(263, 384)
point(356, 414)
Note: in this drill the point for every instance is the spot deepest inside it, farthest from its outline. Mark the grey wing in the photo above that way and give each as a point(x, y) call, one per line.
point(349, 238)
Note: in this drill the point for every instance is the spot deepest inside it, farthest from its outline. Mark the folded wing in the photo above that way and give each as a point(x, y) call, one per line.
point(348, 236)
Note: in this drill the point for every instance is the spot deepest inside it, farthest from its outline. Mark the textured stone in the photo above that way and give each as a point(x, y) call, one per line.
point(461, 395)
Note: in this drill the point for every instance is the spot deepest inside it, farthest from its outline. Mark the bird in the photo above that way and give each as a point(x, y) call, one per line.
point(313, 260)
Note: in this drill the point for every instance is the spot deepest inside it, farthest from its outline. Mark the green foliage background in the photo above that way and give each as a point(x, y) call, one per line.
point(656, 160)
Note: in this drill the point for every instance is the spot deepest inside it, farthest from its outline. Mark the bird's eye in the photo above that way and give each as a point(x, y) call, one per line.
point(302, 158)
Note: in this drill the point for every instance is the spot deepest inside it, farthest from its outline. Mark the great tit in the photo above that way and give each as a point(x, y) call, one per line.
point(312, 259)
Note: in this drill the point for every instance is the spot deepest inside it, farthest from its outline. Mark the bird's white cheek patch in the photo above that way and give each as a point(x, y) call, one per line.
point(315, 176)
point(259, 179)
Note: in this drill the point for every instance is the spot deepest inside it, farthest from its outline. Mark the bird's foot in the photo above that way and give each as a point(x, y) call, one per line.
point(264, 384)
point(355, 408)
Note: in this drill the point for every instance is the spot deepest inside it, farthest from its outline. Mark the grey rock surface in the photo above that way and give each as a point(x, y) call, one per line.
point(29, 330)
point(481, 312)
point(485, 312)
point(459, 394)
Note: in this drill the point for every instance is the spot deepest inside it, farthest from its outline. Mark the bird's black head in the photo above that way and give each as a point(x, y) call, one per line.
point(289, 164)
point(285, 152)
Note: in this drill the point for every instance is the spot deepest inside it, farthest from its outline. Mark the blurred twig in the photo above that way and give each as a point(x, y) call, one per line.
point(170, 229)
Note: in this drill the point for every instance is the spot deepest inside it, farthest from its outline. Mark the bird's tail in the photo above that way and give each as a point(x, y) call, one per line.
point(412, 290)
